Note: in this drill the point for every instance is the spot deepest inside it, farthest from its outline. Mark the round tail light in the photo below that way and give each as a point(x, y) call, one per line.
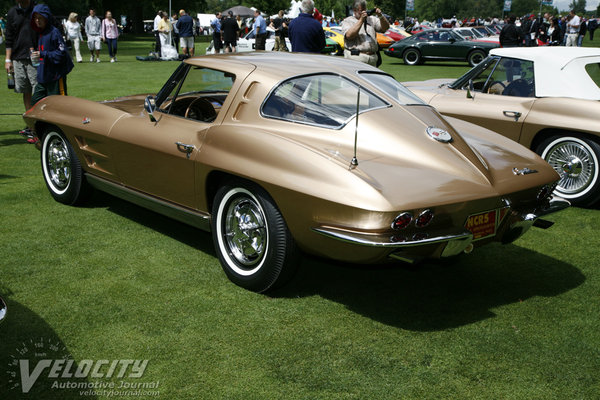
point(424, 218)
point(402, 221)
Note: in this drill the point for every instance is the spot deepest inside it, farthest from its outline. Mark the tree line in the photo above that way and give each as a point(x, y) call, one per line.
point(424, 9)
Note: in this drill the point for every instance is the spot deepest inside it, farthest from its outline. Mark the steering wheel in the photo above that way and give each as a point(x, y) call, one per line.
point(519, 88)
point(201, 109)
point(494, 83)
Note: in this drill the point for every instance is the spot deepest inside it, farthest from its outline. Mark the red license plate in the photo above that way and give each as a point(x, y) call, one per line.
point(482, 225)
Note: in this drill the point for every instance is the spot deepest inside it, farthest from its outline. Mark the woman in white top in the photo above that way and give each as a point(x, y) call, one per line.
point(73, 30)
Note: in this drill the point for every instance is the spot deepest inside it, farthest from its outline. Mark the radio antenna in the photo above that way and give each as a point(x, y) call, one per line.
point(354, 161)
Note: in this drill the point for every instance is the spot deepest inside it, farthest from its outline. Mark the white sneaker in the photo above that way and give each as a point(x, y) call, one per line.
point(97, 60)
point(92, 59)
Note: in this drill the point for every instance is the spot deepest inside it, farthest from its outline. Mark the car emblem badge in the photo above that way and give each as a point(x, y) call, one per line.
point(524, 171)
point(439, 134)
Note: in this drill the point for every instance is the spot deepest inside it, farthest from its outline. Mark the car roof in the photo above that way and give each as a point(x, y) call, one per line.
point(559, 71)
point(276, 65)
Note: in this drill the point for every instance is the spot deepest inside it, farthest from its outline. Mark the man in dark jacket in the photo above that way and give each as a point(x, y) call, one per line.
point(20, 38)
point(54, 59)
point(306, 33)
point(591, 26)
point(583, 28)
point(230, 30)
point(511, 35)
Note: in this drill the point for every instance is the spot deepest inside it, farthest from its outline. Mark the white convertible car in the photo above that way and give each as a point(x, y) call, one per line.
point(546, 98)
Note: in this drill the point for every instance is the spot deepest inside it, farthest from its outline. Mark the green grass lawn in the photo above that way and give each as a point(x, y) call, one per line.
point(112, 281)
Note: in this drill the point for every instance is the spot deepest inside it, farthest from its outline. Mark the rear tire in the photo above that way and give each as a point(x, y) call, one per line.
point(475, 57)
point(253, 243)
point(412, 57)
point(576, 161)
point(62, 170)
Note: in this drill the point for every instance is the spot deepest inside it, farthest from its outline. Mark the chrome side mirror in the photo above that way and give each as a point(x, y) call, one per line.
point(471, 90)
point(2, 309)
point(150, 107)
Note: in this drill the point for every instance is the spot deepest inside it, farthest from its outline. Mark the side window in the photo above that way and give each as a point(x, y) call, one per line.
point(512, 77)
point(324, 100)
point(593, 70)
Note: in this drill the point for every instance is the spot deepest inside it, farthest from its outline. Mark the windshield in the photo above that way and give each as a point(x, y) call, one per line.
point(324, 100)
point(392, 87)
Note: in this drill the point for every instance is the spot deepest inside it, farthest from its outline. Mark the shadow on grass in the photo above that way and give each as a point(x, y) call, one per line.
point(428, 297)
point(436, 296)
point(14, 139)
point(179, 231)
point(26, 338)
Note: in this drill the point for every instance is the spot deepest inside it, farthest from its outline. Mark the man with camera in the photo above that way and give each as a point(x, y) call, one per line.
point(360, 33)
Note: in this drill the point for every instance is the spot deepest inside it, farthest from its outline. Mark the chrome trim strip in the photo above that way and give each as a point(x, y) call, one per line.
point(385, 240)
point(187, 216)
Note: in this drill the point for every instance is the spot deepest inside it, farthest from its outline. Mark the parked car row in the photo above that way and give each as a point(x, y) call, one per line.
point(429, 44)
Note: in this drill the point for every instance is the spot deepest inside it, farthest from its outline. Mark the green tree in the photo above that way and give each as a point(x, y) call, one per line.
point(578, 6)
point(522, 7)
point(269, 7)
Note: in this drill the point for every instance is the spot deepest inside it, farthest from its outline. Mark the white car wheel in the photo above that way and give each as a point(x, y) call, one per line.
point(252, 241)
point(576, 161)
point(62, 170)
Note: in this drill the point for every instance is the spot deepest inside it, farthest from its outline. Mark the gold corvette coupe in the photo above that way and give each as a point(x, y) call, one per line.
point(546, 98)
point(278, 153)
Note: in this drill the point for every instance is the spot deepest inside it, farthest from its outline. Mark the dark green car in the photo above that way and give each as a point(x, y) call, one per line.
point(440, 45)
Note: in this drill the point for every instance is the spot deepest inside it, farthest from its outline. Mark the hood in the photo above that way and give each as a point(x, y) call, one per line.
point(43, 10)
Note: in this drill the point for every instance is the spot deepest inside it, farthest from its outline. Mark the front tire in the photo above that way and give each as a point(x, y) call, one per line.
point(62, 170)
point(576, 161)
point(253, 243)
point(412, 57)
point(475, 57)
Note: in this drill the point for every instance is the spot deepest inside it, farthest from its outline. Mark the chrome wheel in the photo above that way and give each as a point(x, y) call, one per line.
point(242, 231)
point(575, 162)
point(246, 231)
point(254, 246)
point(56, 162)
point(62, 170)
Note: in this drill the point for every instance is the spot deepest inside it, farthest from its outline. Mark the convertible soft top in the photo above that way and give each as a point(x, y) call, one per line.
point(559, 71)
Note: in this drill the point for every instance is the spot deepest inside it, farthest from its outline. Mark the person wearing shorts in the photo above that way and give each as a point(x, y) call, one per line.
point(185, 25)
point(93, 27)
point(20, 38)
point(230, 30)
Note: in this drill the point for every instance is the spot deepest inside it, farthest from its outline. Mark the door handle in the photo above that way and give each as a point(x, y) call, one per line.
point(515, 114)
point(186, 148)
